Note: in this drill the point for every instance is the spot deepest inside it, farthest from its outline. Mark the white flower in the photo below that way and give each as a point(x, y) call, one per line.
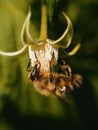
point(44, 49)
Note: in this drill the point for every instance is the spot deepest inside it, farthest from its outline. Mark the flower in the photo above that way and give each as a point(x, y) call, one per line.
point(43, 49)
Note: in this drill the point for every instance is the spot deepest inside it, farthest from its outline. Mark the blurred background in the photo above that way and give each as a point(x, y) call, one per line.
point(21, 107)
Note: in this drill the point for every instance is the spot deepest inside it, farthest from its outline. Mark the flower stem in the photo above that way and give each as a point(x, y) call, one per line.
point(43, 29)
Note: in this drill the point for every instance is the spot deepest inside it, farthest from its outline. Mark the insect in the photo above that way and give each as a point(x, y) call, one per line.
point(44, 55)
point(53, 83)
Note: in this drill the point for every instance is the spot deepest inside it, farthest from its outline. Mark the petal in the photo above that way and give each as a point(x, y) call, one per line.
point(14, 54)
point(25, 35)
point(65, 40)
point(75, 49)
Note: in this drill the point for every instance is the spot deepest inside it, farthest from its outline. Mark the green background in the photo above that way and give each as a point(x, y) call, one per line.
point(21, 107)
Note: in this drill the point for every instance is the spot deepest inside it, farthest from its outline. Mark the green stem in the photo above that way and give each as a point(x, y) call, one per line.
point(43, 30)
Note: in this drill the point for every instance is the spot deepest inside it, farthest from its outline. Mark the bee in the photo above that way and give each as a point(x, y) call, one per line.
point(53, 83)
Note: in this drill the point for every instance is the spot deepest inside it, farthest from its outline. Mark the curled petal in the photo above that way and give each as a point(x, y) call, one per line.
point(14, 54)
point(25, 35)
point(65, 40)
point(74, 50)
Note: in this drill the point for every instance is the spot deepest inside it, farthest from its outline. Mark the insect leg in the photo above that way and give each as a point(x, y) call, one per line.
point(35, 72)
point(28, 68)
point(77, 80)
point(52, 63)
point(51, 73)
point(66, 69)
